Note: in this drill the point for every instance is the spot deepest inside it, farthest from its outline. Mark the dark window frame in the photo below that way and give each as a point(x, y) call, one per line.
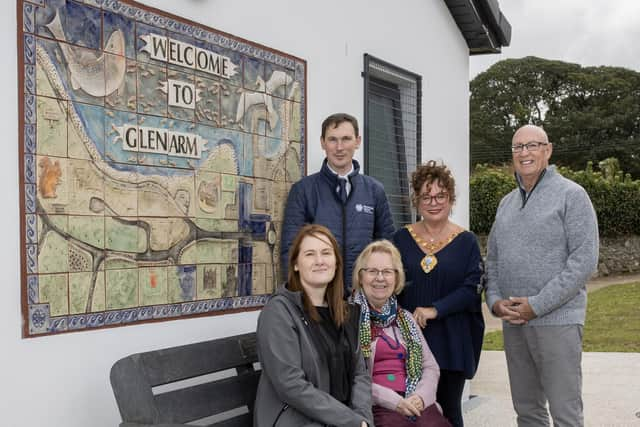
point(382, 85)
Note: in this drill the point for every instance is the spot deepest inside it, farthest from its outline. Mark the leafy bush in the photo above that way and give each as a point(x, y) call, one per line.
point(487, 186)
point(615, 196)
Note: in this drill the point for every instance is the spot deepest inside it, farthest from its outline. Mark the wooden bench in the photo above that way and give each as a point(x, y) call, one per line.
point(212, 381)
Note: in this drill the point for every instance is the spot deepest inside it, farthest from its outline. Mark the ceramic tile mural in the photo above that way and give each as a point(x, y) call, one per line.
point(156, 155)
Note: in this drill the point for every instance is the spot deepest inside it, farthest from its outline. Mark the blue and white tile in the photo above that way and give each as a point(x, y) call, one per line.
point(145, 313)
point(29, 79)
point(31, 232)
point(32, 289)
point(38, 318)
point(161, 311)
point(113, 317)
point(30, 168)
point(28, 17)
point(29, 108)
point(130, 315)
point(32, 258)
point(29, 138)
point(57, 324)
point(96, 320)
point(77, 322)
point(29, 49)
point(30, 198)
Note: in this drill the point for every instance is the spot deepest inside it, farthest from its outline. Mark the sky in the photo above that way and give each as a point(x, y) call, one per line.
point(586, 32)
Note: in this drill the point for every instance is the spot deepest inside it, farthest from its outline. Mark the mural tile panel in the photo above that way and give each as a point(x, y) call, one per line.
point(157, 158)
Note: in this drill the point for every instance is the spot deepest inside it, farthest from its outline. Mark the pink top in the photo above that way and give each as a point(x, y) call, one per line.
point(426, 388)
point(389, 364)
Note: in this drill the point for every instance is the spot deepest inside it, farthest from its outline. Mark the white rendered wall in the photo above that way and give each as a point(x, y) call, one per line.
point(63, 380)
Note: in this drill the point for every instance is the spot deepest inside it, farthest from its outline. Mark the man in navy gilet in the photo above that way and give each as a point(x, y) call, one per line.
point(352, 205)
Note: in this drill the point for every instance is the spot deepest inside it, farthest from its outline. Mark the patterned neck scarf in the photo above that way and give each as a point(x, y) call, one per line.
point(389, 314)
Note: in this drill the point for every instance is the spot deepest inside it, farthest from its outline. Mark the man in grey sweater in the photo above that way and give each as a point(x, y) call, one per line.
point(542, 249)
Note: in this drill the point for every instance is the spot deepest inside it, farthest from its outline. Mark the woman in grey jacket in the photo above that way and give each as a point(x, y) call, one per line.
point(313, 373)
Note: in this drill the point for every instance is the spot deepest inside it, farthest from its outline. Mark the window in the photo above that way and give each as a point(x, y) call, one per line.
point(392, 132)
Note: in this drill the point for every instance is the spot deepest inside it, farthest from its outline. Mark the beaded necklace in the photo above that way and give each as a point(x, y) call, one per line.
point(379, 332)
point(408, 331)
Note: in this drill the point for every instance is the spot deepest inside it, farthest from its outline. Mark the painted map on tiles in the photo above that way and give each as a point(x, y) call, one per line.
point(156, 155)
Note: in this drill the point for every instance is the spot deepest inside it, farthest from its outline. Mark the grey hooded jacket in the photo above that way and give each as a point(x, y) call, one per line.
point(294, 385)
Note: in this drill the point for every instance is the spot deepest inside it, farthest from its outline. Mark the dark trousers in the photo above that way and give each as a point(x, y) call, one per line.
point(449, 395)
point(431, 417)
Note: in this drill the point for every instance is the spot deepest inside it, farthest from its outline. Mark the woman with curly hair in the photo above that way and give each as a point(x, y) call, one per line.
point(444, 280)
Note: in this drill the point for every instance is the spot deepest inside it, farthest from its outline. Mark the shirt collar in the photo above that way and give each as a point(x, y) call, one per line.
point(519, 180)
point(345, 176)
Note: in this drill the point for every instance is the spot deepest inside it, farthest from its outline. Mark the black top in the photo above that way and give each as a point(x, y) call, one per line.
point(334, 348)
point(453, 288)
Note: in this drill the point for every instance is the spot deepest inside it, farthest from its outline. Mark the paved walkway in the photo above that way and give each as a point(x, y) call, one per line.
point(611, 391)
point(611, 382)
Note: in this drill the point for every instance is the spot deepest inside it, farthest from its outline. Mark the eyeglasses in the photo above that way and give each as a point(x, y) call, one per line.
point(387, 273)
point(439, 198)
point(530, 146)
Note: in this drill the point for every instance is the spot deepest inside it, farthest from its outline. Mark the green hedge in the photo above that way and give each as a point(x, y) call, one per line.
point(615, 196)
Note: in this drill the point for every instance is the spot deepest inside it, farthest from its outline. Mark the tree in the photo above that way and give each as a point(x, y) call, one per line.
point(590, 113)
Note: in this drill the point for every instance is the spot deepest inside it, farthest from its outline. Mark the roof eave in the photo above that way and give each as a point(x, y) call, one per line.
point(482, 24)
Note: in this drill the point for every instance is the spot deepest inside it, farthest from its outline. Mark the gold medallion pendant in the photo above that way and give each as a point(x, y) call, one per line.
point(428, 263)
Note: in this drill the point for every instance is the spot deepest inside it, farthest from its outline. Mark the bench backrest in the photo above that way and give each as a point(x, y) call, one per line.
point(134, 377)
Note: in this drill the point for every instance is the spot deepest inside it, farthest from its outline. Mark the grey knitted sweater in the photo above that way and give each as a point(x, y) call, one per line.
point(544, 247)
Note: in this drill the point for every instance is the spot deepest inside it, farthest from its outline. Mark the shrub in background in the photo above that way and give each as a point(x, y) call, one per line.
point(615, 196)
point(487, 186)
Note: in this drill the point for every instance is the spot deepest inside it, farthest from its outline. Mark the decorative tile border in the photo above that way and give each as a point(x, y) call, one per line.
point(29, 49)
point(197, 32)
point(38, 318)
point(77, 322)
point(32, 289)
point(57, 324)
point(32, 232)
point(30, 138)
point(30, 79)
point(30, 198)
point(30, 168)
point(28, 20)
point(41, 322)
point(29, 109)
point(32, 259)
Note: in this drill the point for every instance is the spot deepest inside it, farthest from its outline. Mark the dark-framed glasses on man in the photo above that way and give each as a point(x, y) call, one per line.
point(530, 146)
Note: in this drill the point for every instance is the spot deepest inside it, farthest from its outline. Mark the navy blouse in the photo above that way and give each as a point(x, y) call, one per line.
point(453, 287)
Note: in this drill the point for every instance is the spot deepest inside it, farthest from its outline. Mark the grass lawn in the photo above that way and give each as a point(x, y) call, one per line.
point(613, 321)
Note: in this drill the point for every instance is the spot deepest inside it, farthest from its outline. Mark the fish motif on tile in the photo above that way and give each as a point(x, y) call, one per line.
point(96, 74)
point(249, 99)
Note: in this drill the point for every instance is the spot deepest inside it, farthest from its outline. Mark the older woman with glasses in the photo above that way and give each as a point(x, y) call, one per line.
point(444, 273)
point(404, 372)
